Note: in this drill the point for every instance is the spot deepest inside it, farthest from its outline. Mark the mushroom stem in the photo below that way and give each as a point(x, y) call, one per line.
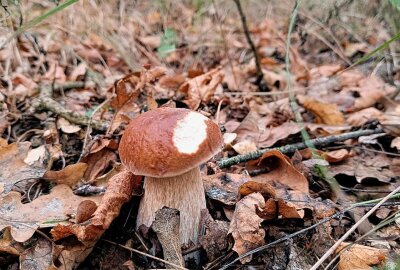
point(184, 192)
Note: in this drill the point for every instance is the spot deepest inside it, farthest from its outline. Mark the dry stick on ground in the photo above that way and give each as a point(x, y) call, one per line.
point(322, 221)
point(352, 229)
point(290, 148)
point(260, 75)
point(145, 254)
point(46, 102)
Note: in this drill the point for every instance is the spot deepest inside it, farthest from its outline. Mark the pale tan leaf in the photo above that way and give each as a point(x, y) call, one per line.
point(46, 211)
point(70, 175)
point(359, 257)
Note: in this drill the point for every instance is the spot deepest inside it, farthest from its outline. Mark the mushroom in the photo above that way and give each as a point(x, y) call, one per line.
point(167, 145)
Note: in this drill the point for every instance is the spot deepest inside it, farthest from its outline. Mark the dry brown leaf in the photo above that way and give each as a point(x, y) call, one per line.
point(39, 256)
point(119, 191)
point(325, 70)
point(14, 169)
point(201, 88)
point(367, 166)
point(359, 257)
point(46, 211)
point(97, 163)
point(245, 225)
point(279, 169)
point(214, 241)
point(275, 207)
point(248, 128)
point(361, 117)
point(70, 175)
point(370, 90)
point(264, 188)
point(223, 187)
point(73, 253)
point(331, 156)
point(9, 245)
point(274, 134)
point(328, 114)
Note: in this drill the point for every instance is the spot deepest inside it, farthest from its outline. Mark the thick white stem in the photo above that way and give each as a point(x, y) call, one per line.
point(183, 192)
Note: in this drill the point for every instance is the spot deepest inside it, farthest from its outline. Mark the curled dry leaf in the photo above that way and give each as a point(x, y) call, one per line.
point(359, 257)
point(127, 91)
point(367, 166)
point(119, 191)
point(46, 211)
point(97, 163)
point(223, 187)
point(279, 169)
point(361, 117)
point(14, 169)
point(66, 126)
point(247, 134)
point(331, 156)
point(70, 175)
point(214, 241)
point(201, 88)
point(245, 225)
point(274, 134)
point(328, 114)
point(275, 207)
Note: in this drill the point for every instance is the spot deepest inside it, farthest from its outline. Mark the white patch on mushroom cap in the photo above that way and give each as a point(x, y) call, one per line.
point(190, 133)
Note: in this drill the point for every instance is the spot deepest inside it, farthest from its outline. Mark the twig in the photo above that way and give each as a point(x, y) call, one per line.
point(322, 221)
point(46, 102)
point(352, 229)
point(145, 254)
point(260, 75)
point(290, 148)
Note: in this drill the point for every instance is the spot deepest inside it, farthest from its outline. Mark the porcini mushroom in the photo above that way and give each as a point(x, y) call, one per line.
point(167, 145)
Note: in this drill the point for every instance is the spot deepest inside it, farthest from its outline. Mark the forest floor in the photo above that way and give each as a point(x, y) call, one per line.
point(303, 79)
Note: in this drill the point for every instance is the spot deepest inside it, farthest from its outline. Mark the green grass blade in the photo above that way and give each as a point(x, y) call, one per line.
point(35, 21)
point(377, 49)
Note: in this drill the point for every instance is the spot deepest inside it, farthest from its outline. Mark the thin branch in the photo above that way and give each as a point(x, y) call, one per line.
point(352, 229)
point(260, 75)
point(322, 221)
point(46, 102)
point(145, 254)
point(291, 148)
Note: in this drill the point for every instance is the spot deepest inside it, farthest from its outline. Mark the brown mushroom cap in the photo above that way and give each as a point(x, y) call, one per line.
point(166, 142)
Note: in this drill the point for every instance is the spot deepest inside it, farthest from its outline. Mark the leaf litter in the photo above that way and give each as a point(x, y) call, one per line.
point(190, 57)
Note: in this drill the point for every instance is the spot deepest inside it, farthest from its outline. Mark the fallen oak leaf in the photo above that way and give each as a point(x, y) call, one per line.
point(245, 225)
point(46, 211)
point(14, 169)
point(70, 175)
point(119, 191)
point(331, 156)
point(328, 114)
point(201, 88)
point(279, 168)
point(359, 257)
